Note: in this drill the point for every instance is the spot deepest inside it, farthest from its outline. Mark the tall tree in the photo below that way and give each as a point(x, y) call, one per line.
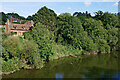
point(46, 17)
point(3, 18)
point(71, 32)
point(14, 15)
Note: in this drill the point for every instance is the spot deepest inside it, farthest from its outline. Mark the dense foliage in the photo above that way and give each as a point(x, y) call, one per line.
point(22, 53)
point(56, 36)
point(14, 15)
point(4, 17)
point(44, 38)
point(46, 17)
point(83, 32)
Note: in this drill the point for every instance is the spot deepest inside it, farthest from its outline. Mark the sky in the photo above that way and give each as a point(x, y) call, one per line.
point(59, 0)
point(29, 8)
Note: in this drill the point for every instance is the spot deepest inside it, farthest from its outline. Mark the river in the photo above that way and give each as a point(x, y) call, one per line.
point(92, 66)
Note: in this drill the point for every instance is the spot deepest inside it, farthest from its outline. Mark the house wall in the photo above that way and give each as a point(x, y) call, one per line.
point(2, 26)
point(17, 28)
point(17, 32)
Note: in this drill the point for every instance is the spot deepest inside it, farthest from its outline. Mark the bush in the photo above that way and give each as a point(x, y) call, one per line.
point(44, 38)
point(10, 65)
point(13, 45)
point(24, 50)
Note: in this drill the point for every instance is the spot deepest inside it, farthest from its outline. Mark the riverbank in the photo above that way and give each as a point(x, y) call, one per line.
point(54, 58)
point(28, 68)
point(69, 67)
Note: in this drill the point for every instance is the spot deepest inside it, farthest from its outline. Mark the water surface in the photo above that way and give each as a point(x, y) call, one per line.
point(97, 66)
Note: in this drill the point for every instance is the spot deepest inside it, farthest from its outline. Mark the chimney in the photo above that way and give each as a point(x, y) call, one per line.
point(7, 28)
point(32, 23)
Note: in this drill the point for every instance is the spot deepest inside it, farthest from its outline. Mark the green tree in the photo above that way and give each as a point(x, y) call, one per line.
point(98, 15)
point(71, 32)
point(13, 45)
point(113, 37)
point(3, 18)
point(46, 17)
point(107, 18)
point(30, 18)
point(97, 32)
point(95, 29)
point(30, 53)
point(44, 38)
point(25, 50)
point(15, 15)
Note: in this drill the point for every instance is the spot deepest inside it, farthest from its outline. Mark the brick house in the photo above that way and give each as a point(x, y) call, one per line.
point(18, 29)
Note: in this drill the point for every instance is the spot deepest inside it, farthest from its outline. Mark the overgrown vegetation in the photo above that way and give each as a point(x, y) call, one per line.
point(56, 36)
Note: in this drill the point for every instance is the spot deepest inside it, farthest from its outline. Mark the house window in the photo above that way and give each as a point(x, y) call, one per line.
point(14, 27)
point(23, 27)
point(19, 33)
point(15, 33)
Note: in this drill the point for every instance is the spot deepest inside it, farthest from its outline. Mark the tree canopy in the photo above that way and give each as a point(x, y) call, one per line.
point(53, 36)
point(45, 16)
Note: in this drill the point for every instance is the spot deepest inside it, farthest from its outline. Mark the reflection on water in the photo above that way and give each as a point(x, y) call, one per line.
point(117, 75)
point(99, 66)
point(102, 74)
point(59, 75)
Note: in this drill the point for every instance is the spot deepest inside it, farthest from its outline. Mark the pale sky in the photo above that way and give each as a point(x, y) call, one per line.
point(59, 0)
point(28, 8)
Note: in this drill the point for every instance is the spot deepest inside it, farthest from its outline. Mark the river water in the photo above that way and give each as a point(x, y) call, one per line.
point(92, 66)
